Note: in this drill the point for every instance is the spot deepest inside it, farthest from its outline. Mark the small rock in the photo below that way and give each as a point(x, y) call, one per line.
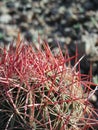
point(88, 5)
point(7, 39)
point(12, 12)
point(90, 42)
point(68, 40)
point(23, 18)
point(24, 2)
point(23, 27)
point(61, 10)
point(10, 5)
point(70, 17)
point(28, 7)
point(67, 31)
point(4, 9)
point(28, 36)
point(5, 18)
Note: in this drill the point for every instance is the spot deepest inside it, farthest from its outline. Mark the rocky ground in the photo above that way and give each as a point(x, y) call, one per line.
point(70, 22)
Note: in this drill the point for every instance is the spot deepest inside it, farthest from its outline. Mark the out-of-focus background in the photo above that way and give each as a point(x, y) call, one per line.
point(70, 22)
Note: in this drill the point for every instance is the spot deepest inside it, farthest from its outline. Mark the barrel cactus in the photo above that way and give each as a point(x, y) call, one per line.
point(42, 91)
